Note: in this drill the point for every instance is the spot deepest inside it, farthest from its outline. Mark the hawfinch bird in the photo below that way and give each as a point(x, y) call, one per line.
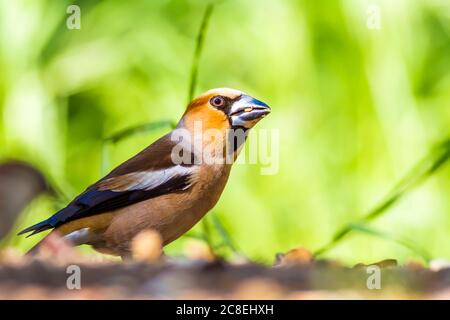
point(167, 187)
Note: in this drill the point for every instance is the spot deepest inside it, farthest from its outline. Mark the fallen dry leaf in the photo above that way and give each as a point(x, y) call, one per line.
point(387, 263)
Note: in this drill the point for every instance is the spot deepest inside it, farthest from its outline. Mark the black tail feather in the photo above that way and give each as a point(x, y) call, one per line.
point(38, 227)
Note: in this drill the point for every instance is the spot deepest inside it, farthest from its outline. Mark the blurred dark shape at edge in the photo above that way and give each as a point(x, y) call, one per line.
point(20, 183)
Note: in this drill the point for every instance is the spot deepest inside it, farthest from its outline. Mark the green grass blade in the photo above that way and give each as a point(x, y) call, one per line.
point(419, 173)
point(391, 237)
point(198, 51)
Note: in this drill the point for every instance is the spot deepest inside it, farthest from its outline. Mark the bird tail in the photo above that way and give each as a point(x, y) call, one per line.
point(38, 227)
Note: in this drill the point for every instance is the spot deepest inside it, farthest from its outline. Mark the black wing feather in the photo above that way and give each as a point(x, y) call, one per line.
point(95, 200)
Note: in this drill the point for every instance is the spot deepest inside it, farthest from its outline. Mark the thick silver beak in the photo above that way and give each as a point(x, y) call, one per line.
point(247, 111)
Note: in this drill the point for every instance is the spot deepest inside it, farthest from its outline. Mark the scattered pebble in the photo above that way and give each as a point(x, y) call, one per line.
point(147, 246)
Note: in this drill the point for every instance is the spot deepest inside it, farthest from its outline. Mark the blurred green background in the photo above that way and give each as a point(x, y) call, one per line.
point(356, 107)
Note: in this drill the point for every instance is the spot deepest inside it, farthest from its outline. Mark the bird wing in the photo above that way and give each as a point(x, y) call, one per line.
point(149, 174)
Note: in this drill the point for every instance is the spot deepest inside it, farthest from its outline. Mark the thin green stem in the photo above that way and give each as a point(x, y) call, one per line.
point(198, 51)
point(143, 128)
point(392, 237)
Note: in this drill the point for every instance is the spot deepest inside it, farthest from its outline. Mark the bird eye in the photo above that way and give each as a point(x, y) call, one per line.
point(217, 101)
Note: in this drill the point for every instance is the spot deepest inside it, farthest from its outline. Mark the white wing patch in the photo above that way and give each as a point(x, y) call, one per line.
point(148, 180)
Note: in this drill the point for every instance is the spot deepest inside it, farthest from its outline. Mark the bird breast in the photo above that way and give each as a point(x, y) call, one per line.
point(171, 214)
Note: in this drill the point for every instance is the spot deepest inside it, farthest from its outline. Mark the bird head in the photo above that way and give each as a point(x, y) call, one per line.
point(225, 108)
point(217, 123)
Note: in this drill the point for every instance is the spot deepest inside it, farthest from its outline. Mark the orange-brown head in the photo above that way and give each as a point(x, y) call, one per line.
point(224, 108)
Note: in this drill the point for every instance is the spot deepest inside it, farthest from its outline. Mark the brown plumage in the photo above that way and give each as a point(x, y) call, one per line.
point(154, 191)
